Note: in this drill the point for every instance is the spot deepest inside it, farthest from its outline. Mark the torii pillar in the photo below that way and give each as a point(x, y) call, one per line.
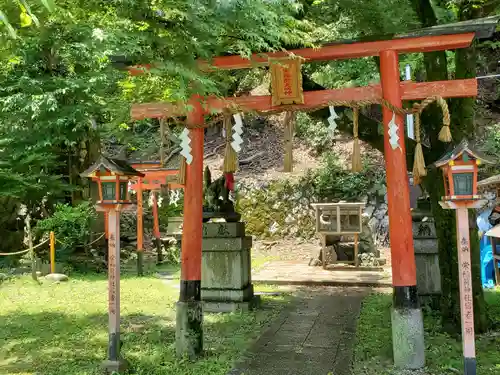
point(189, 315)
point(406, 314)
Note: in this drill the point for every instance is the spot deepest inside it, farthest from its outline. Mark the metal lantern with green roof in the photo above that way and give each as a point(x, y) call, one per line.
point(460, 167)
point(112, 177)
point(460, 170)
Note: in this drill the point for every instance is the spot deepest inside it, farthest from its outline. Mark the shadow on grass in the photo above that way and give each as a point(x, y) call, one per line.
point(129, 273)
point(52, 343)
point(55, 343)
point(373, 352)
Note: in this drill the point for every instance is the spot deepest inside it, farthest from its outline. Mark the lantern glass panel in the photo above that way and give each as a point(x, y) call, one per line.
point(123, 190)
point(109, 191)
point(463, 183)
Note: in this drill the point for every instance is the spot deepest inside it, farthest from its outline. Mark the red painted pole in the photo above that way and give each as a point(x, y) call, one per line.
point(407, 323)
point(398, 190)
point(193, 199)
point(140, 229)
point(189, 332)
point(156, 228)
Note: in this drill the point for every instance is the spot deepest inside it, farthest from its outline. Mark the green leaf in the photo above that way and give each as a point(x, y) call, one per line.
point(26, 20)
point(10, 29)
point(49, 4)
point(25, 8)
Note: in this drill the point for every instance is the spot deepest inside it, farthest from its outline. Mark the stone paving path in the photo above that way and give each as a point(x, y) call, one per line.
point(298, 272)
point(313, 336)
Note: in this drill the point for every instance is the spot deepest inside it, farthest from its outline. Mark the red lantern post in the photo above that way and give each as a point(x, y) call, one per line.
point(112, 177)
point(459, 168)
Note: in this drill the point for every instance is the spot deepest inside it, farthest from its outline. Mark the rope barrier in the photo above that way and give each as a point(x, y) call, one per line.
point(87, 245)
point(61, 242)
point(25, 251)
point(356, 151)
point(93, 242)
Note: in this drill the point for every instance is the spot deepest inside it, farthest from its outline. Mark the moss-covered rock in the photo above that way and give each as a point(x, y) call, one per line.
point(279, 210)
point(282, 209)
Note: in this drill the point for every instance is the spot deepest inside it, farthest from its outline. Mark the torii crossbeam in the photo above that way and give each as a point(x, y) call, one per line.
point(407, 323)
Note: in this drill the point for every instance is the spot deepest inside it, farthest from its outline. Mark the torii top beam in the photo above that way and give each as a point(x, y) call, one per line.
point(409, 91)
point(453, 36)
point(435, 38)
point(337, 51)
point(350, 50)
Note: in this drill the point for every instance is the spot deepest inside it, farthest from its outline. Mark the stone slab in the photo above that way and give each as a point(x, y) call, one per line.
point(223, 230)
point(428, 274)
point(229, 307)
point(425, 246)
point(226, 244)
point(44, 268)
point(227, 295)
point(56, 277)
point(293, 344)
point(114, 367)
point(292, 272)
point(225, 270)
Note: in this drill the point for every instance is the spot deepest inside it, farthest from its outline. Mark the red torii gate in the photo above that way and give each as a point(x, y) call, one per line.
point(155, 176)
point(407, 322)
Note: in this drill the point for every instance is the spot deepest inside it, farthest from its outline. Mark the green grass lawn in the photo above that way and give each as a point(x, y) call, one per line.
point(373, 353)
point(61, 329)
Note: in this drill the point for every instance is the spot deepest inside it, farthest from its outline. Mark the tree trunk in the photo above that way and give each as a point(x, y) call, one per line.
point(462, 111)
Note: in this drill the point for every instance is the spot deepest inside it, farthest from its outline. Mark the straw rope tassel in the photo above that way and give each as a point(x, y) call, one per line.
point(181, 176)
point(419, 169)
point(356, 151)
point(230, 156)
point(445, 133)
point(289, 130)
point(163, 138)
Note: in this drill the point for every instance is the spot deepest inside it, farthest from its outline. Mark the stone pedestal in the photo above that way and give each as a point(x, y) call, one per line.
point(174, 229)
point(115, 367)
point(426, 254)
point(226, 283)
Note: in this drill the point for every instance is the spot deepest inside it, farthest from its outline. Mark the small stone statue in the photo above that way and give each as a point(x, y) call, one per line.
point(216, 199)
